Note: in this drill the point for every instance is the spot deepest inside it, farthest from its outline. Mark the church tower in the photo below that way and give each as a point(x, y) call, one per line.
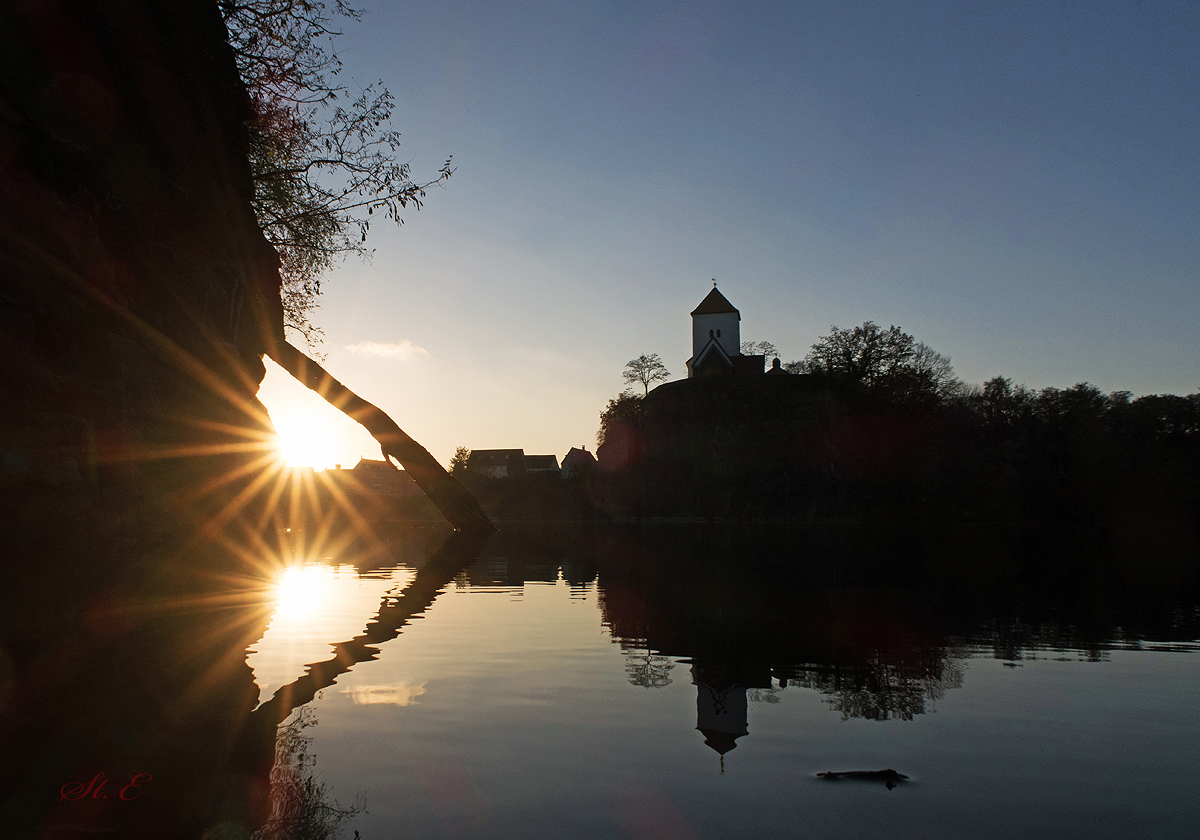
point(716, 334)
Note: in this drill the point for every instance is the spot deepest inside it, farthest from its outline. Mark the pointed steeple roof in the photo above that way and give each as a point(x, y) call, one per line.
point(714, 304)
point(722, 742)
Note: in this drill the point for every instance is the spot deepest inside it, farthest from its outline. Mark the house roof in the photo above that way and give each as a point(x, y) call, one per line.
point(576, 454)
point(495, 456)
point(714, 304)
point(512, 460)
point(370, 465)
point(748, 365)
point(541, 462)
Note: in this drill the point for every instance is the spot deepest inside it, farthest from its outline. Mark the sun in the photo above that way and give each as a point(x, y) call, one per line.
point(312, 433)
point(304, 439)
point(301, 441)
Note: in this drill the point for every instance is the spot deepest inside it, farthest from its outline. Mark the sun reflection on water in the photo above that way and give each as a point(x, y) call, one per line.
point(315, 606)
point(301, 591)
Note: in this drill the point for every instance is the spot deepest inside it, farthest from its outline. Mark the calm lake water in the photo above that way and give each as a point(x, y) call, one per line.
point(690, 681)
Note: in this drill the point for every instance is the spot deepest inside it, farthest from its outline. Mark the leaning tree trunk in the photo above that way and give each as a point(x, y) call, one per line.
point(454, 501)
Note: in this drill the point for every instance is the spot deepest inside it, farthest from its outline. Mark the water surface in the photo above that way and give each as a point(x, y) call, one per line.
point(691, 681)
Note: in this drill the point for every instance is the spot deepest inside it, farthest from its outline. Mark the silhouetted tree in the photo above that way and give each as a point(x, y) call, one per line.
point(1081, 403)
point(935, 370)
point(458, 463)
point(1001, 404)
point(759, 348)
point(646, 370)
point(624, 409)
point(862, 354)
point(890, 361)
point(1167, 416)
point(323, 159)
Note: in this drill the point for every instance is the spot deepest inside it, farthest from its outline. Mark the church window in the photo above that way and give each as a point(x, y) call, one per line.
point(718, 333)
point(710, 334)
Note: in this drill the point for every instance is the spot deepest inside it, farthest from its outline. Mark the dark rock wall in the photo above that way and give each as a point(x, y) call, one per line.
point(137, 296)
point(136, 291)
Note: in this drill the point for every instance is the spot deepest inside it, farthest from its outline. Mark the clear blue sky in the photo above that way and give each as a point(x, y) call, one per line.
point(1015, 184)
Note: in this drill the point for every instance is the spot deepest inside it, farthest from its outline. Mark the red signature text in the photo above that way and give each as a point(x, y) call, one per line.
point(95, 789)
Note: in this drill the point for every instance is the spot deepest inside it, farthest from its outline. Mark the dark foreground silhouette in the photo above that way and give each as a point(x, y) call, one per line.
point(139, 720)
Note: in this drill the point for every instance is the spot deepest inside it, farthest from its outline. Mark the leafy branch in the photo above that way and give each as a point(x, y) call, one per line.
point(323, 158)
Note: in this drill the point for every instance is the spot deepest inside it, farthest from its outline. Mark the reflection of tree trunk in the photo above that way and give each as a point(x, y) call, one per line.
point(394, 612)
point(454, 501)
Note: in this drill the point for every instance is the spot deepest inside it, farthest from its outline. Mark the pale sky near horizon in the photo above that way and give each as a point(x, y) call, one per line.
point(1015, 184)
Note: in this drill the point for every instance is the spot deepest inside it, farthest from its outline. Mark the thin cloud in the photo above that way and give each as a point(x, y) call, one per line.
point(403, 349)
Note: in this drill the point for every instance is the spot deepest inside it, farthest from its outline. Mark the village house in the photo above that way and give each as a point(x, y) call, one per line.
point(377, 477)
point(506, 463)
point(543, 464)
point(577, 461)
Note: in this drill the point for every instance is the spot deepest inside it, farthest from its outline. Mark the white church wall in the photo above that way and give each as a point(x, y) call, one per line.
point(724, 323)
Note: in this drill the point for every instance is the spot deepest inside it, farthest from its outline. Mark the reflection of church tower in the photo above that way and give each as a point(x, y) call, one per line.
point(720, 711)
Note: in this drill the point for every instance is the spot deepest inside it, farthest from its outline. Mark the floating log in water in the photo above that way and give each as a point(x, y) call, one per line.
point(456, 503)
point(889, 776)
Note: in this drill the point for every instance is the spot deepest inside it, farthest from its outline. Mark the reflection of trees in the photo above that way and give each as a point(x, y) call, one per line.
point(647, 669)
point(762, 624)
point(881, 622)
point(301, 808)
point(1013, 640)
point(883, 690)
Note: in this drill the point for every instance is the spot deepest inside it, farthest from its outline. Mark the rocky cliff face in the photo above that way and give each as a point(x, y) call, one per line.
point(137, 296)
point(136, 291)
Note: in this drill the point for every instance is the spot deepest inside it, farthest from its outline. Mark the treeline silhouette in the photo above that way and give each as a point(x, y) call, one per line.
point(873, 426)
point(838, 442)
point(820, 447)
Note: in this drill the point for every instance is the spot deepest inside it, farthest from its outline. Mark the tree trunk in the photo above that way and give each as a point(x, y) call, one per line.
point(454, 501)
